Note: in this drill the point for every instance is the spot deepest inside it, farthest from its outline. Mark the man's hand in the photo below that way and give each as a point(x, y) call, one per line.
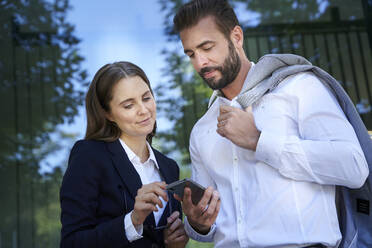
point(175, 235)
point(204, 214)
point(238, 126)
point(146, 200)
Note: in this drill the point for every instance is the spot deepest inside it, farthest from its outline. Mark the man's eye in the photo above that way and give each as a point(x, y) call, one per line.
point(146, 98)
point(128, 106)
point(208, 48)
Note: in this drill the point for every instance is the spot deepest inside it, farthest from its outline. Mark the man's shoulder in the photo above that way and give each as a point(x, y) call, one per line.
point(299, 82)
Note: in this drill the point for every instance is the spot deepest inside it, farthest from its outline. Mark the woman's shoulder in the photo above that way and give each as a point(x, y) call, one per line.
point(90, 148)
point(84, 143)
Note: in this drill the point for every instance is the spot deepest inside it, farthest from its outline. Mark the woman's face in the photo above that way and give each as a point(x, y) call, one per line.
point(132, 108)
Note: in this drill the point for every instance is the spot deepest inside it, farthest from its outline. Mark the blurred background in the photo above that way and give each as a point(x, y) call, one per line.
point(50, 50)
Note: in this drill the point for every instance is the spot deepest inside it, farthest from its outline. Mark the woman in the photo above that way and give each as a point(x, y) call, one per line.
point(113, 192)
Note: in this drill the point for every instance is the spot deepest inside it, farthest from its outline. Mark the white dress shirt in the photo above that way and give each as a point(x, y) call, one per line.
point(282, 195)
point(149, 173)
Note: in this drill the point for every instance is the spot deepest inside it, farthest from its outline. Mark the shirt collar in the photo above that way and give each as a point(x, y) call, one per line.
point(246, 78)
point(218, 93)
point(132, 156)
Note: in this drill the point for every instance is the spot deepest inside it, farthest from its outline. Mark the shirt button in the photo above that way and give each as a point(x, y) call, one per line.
point(239, 221)
point(236, 189)
point(235, 159)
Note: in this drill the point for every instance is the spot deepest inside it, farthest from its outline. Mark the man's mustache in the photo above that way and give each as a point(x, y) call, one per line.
point(208, 69)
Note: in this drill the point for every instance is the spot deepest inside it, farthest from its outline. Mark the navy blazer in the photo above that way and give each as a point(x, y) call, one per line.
point(99, 187)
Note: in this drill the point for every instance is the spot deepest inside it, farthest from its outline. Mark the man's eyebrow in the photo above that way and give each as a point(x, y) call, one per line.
point(199, 46)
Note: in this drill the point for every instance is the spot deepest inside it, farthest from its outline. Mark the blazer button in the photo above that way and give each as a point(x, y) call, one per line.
point(154, 245)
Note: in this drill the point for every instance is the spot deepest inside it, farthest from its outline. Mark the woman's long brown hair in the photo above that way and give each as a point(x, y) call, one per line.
point(99, 96)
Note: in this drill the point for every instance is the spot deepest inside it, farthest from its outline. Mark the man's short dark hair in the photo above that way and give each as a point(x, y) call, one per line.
point(192, 12)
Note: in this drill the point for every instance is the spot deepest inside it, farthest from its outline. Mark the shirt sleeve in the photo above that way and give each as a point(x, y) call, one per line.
point(132, 232)
point(197, 236)
point(325, 149)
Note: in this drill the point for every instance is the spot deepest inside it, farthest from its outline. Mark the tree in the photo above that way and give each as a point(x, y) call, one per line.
point(183, 97)
point(41, 86)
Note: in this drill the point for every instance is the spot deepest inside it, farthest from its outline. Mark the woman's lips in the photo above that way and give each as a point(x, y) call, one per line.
point(145, 122)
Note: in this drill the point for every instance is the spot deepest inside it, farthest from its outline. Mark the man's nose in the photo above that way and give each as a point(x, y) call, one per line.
point(201, 61)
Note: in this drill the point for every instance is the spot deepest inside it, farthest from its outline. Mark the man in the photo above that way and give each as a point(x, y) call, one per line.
point(271, 168)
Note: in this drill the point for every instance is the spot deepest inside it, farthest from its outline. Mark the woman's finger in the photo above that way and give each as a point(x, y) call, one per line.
point(176, 234)
point(157, 188)
point(182, 238)
point(152, 198)
point(174, 216)
point(175, 225)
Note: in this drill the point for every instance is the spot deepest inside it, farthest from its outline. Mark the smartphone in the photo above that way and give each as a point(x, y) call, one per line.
point(178, 187)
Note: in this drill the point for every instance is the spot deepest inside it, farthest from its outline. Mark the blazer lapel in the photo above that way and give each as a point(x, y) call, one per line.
point(131, 178)
point(127, 173)
point(124, 167)
point(166, 173)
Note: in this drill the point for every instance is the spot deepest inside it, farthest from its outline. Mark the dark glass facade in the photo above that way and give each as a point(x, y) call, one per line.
point(40, 75)
point(336, 38)
point(39, 71)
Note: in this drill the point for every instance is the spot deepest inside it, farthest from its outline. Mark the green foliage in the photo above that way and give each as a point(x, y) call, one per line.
point(41, 86)
point(40, 65)
point(47, 226)
point(182, 99)
point(195, 244)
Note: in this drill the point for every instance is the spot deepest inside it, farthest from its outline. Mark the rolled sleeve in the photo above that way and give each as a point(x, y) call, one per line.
point(197, 236)
point(132, 233)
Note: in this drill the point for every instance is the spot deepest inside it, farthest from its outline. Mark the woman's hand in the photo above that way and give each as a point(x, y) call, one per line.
point(175, 235)
point(146, 200)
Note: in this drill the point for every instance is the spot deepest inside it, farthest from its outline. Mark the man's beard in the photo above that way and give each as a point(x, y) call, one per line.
point(229, 70)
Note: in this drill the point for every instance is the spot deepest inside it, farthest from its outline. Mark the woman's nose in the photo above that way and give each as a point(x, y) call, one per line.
point(142, 109)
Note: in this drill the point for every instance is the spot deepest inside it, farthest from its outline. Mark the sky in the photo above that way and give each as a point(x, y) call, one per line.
point(114, 30)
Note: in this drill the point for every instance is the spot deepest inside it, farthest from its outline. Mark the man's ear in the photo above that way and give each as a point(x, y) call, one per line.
point(237, 37)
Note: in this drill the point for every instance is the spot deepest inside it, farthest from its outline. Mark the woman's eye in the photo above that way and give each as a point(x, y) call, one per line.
point(128, 106)
point(146, 99)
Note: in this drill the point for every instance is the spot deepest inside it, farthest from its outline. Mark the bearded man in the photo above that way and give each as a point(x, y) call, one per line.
point(270, 168)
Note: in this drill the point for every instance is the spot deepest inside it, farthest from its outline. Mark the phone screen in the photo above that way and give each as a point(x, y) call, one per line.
point(178, 187)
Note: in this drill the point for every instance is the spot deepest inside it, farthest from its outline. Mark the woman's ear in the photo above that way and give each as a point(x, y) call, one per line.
point(108, 116)
point(237, 37)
